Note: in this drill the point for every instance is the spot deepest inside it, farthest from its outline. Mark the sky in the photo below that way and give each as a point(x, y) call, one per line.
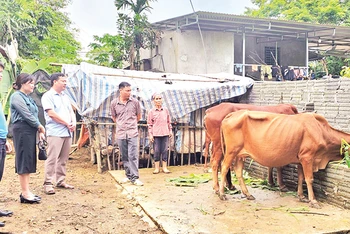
point(98, 17)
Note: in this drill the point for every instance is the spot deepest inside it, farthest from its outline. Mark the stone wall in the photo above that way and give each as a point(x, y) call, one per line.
point(328, 97)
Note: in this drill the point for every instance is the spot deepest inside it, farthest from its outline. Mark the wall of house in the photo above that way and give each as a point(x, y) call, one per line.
point(292, 53)
point(330, 98)
point(182, 52)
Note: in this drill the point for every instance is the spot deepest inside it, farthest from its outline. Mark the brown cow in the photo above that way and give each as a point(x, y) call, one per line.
point(212, 121)
point(275, 140)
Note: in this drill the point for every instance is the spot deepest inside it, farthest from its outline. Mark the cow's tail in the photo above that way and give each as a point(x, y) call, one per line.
point(295, 110)
point(223, 146)
point(206, 133)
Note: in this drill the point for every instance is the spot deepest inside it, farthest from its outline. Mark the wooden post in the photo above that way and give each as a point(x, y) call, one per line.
point(201, 136)
point(114, 145)
point(97, 151)
point(189, 145)
point(194, 138)
point(182, 145)
point(108, 154)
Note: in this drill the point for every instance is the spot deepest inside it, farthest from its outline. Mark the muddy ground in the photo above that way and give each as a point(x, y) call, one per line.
point(99, 204)
point(94, 206)
point(183, 209)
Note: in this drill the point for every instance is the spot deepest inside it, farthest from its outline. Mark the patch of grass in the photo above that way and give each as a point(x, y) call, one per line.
point(191, 180)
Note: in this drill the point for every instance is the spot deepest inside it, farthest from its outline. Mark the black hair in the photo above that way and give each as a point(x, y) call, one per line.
point(21, 79)
point(124, 84)
point(56, 76)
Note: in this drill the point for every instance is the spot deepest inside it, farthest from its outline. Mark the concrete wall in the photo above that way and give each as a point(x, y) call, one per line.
point(331, 99)
point(292, 53)
point(183, 52)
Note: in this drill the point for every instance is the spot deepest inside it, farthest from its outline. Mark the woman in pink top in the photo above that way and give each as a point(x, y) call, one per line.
point(159, 129)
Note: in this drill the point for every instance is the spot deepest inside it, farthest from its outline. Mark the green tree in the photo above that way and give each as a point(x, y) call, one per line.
point(315, 11)
point(108, 51)
point(136, 31)
point(40, 29)
point(335, 12)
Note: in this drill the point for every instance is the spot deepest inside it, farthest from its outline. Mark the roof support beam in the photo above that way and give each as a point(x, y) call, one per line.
point(243, 54)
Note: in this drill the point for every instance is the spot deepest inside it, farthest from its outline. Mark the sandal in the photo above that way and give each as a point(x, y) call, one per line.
point(65, 186)
point(166, 171)
point(155, 171)
point(48, 189)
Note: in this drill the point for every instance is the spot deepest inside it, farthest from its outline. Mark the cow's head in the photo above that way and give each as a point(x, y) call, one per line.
point(344, 149)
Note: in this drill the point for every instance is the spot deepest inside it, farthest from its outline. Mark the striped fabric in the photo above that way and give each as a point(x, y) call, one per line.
point(92, 88)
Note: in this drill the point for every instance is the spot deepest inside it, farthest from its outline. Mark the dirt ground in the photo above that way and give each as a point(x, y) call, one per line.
point(99, 204)
point(199, 210)
point(96, 205)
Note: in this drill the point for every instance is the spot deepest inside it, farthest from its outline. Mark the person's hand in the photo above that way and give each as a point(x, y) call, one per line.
point(41, 136)
point(71, 127)
point(8, 147)
point(170, 135)
point(151, 138)
point(41, 129)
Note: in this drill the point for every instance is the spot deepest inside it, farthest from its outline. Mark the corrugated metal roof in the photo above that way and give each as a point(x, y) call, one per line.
point(331, 39)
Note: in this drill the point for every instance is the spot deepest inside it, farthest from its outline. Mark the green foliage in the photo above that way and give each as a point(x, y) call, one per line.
point(30, 65)
point(191, 180)
point(345, 72)
point(135, 30)
point(137, 8)
point(334, 64)
point(40, 28)
point(314, 11)
point(108, 50)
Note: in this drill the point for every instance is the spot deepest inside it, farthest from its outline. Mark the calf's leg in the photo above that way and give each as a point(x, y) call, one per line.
point(225, 166)
point(300, 192)
point(206, 152)
point(215, 160)
point(281, 185)
point(309, 179)
point(238, 167)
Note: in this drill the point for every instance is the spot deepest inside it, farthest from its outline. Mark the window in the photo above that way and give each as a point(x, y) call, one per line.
point(270, 55)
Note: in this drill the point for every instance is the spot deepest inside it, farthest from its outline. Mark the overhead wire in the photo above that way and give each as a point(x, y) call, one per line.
point(200, 32)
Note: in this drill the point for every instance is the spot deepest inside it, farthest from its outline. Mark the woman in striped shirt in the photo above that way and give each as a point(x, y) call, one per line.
point(159, 130)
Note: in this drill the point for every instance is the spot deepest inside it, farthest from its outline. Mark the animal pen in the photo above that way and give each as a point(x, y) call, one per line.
point(91, 92)
point(91, 89)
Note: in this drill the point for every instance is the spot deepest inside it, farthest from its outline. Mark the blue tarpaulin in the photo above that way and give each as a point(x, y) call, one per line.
point(92, 88)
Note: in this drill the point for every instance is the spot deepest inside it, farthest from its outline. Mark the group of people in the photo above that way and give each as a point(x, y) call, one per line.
point(126, 112)
point(27, 131)
point(60, 124)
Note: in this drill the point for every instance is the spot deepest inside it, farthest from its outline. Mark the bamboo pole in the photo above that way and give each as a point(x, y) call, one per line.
point(108, 154)
point(164, 78)
point(201, 137)
point(98, 153)
point(175, 152)
point(114, 146)
point(189, 145)
point(182, 146)
point(194, 138)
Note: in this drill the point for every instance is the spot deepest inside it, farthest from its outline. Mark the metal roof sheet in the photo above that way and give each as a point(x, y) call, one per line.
point(330, 39)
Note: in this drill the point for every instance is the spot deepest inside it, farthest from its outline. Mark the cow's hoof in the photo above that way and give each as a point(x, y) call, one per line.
point(223, 197)
point(314, 204)
point(250, 197)
point(232, 187)
point(284, 189)
point(217, 192)
point(303, 199)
